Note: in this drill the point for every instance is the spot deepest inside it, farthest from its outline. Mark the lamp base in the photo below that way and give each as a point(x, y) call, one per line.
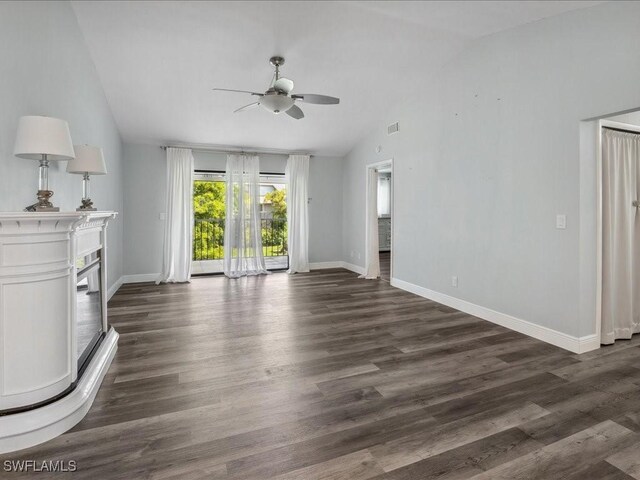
point(43, 204)
point(37, 208)
point(87, 205)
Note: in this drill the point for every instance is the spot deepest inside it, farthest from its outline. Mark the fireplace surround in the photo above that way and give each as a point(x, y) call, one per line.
point(56, 343)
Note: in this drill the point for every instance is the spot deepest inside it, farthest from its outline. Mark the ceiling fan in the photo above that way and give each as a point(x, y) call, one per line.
point(278, 98)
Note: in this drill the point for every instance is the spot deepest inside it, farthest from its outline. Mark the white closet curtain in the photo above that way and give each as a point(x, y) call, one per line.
point(178, 228)
point(372, 255)
point(297, 174)
point(621, 236)
point(243, 226)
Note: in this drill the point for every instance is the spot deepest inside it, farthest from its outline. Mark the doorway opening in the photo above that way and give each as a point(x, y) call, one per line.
point(379, 223)
point(618, 227)
point(209, 209)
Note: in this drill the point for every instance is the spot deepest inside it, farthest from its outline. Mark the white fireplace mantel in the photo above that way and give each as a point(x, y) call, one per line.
point(41, 395)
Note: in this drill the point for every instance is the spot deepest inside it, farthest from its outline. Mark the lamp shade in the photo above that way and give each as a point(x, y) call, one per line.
point(88, 159)
point(39, 136)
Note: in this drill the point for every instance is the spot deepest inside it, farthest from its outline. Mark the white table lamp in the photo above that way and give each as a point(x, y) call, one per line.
point(89, 160)
point(43, 139)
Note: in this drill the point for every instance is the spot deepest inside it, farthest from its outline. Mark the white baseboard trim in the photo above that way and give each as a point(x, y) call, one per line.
point(554, 337)
point(26, 429)
point(114, 288)
point(354, 268)
point(587, 343)
point(141, 278)
point(337, 264)
point(324, 265)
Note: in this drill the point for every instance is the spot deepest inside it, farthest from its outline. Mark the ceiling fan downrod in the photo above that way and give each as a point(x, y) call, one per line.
point(277, 62)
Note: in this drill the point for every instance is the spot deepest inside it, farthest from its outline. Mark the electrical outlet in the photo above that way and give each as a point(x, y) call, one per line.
point(353, 254)
point(358, 255)
point(561, 221)
point(162, 216)
point(454, 281)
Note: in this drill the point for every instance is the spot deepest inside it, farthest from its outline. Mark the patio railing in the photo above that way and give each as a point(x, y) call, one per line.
point(208, 238)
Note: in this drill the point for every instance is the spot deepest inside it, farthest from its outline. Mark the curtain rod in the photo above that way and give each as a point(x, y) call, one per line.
point(203, 148)
point(222, 172)
point(621, 130)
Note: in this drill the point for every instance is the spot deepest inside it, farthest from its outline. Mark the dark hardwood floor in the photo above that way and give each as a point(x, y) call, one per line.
point(385, 266)
point(324, 376)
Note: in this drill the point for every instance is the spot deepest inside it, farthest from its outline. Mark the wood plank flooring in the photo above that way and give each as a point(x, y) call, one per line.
point(385, 266)
point(325, 376)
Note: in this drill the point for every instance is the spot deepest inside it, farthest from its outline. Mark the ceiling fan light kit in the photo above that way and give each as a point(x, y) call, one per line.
point(276, 102)
point(278, 98)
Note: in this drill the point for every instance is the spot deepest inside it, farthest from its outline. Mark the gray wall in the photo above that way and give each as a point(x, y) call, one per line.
point(325, 209)
point(145, 177)
point(632, 118)
point(490, 152)
point(144, 187)
point(45, 69)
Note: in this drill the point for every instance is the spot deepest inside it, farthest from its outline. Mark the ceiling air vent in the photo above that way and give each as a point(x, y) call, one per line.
point(393, 128)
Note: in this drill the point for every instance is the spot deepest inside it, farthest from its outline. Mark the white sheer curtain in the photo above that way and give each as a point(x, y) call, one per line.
point(297, 174)
point(243, 226)
point(178, 228)
point(372, 255)
point(621, 235)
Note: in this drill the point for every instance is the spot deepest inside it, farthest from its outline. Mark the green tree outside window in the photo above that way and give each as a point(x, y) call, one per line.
point(209, 199)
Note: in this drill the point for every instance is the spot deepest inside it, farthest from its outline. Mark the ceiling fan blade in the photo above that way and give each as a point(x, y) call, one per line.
point(238, 91)
point(295, 112)
point(283, 85)
point(247, 107)
point(317, 99)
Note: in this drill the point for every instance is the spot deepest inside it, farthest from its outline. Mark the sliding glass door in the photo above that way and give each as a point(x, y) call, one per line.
point(209, 193)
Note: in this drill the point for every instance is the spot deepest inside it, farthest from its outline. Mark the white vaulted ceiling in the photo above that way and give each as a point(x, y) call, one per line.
point(158, 62)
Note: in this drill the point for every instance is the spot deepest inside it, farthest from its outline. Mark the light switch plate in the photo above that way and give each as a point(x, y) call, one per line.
point(561, 221)
point(162, 216)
